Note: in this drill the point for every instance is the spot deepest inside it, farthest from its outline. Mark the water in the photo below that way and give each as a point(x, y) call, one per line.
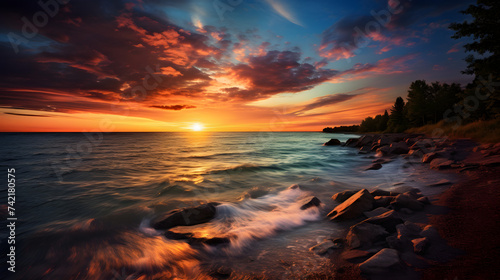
point(84, 202)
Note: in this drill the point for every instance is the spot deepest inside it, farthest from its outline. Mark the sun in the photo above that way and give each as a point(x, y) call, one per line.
point(197, 127)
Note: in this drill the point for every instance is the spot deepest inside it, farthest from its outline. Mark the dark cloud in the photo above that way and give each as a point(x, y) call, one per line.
point(26, 115)
point(173, 107)
point(389, 24)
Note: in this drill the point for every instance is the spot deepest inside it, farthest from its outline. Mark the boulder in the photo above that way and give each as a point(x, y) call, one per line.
point(408, 231)
point(365, 140)
point(376, 212)
point(355, 255)
point(385, 140)
point(442, 182)
point(398, 148)
point(351, 142)
point(441, 163)
point(429, 157)
point(415, 153)
point(424, 199)
point(406, 201)
point(332, 142)
point(379, 192)
point(383, 201)
point(375, 166)
point(343, 196)
point(313, 202)
point(384, 150)
point(419, 244)
point(353, 207)
point(424, 145)
point(365, 234)
point(186, 217)
point(365, 149)
point(214, 241)
point(388, 220)
point(324, 247)
point(381, 262)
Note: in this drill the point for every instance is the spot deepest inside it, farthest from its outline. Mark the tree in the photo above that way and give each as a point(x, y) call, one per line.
point(486, 43)
point(382, 126)
point(419, 97)
point(397, 119)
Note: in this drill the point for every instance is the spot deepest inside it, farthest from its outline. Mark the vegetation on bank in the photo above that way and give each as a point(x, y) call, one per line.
point(472, 111)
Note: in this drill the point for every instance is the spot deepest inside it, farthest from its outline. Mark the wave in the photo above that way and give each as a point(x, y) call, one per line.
point(246, 167)
point(252, 219)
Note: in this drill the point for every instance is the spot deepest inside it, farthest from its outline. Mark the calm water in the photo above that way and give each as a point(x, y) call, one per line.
point(84, 202)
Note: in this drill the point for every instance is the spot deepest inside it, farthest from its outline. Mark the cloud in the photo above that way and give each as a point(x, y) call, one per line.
point(387, 26)
point(455, 48)
point(26, 115)
point(284, 11)
point(173, 107)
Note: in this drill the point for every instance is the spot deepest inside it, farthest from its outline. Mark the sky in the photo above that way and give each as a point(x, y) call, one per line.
point(218, 65)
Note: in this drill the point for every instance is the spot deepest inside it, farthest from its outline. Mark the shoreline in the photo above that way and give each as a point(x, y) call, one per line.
point(463, 216)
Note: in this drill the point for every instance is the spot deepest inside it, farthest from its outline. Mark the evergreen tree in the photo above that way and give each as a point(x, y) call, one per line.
point(397, 119)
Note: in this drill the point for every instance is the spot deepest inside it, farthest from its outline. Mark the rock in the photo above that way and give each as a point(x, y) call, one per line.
point(379, 192)
point(382, 201)
point(419, 244)
point(415, 153)
point(343, 196)
point(365, 234)
point(380, 160)
point(324, 247)
point(186, 217)
point(385, 140)
point(365, 140)
point(313, 202)
point(351, 142)
point(408, 231)
point(355, 255)
point(398, 148)
point(406, 211)
point(376, 212)
point(424, 199)
point(429, 157)
point(384, 150)
point(441, 163)
point(353, 207)
point(375, 166)
point(424, 145)
point(177, 236)
point(195, 240)
point(381, 262)
point(365, 150)
point(388, 220)
point(332, 142)
point(406, 201)
point(442, 182)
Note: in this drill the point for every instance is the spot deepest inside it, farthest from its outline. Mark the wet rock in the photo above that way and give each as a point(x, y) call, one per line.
point(429, 157)
point(388, 220)
point(375, 166)
point(365, 150)
point(177, 236)
point(406, 211)
point(381, 262)
point(424, 200)
point(379, 192)
point(424, 145)
point(332, 142)
point(186, 217)
point(365, 234)
point(415, 154)
point(442, 182)
point(385, 140)
point(406, 201)
point(398, 148)
point(313, 202)
point(419, 244)
point(343, 196)
point(353, 207)
point(384, 150)
point(441, 163)
point(382, 201)
point(356, 255)
point(351, 142)
point(325, 247)
point(376, 212)
point(408, 231)
point(365, 140)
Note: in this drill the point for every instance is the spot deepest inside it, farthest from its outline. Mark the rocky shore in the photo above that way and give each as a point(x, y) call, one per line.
point(384, 243)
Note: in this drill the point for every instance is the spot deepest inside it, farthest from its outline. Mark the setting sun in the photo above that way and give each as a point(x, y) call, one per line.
point(196, 127)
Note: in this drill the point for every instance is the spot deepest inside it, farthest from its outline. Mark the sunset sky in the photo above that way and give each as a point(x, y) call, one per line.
point(218, 65)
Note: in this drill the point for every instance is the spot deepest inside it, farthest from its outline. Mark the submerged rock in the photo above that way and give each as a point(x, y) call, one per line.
point(324, 247)
point(332, 142)
point(353, 207)
point(381, 262)
point(375, 166)
point(186, 217)
point(313, 202)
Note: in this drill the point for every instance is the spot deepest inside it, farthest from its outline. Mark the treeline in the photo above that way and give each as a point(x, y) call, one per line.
point(426, 104)
point(342, 129)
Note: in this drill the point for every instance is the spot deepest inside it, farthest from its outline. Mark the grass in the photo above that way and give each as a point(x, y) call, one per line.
point(481, 131)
